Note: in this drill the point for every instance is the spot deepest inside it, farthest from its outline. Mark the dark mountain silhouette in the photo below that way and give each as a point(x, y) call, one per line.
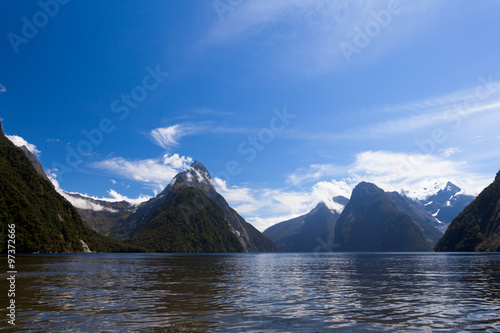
point(418, 214)
point(371, 222)
point(312, 232)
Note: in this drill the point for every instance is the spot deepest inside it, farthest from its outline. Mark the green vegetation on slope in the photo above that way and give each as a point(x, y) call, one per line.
point(188, 222)
point(44, 221)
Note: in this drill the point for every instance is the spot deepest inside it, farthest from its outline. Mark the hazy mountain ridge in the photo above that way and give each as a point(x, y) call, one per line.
point(301, 234)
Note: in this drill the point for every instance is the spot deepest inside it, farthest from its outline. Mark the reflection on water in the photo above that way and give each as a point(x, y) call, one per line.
point(257, 292)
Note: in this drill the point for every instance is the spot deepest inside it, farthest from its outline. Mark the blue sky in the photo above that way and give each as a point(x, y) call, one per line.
point(285, 102)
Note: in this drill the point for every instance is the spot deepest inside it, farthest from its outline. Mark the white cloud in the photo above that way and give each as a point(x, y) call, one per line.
point(157, 172)
point(314, 172)
point(326, 191)
point(396, 171)
point(168, 136)
point(117, 197)
point(2, 89)
point(264, 207)
point(113, 181)
point(81, 203)
point(18, 141)
point(450, 151)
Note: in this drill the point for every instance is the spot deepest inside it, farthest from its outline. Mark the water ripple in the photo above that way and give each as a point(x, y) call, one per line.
point(259, 292)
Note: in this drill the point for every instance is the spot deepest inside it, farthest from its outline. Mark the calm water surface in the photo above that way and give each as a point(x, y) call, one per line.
point(257, 292)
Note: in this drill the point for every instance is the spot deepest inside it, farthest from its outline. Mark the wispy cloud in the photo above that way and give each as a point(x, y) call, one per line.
point(449, 112)
point(19, 141)
point(308, 33)
point(211, 112)
point(2, 89)
point(168, 137)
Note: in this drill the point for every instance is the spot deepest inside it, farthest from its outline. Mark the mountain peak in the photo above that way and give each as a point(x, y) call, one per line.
point(198, 166)
point(195, 176)
point(340, 200)
point(450, 187)
point(497, 179)
point(366, 188)
point(321, 205)
point(1, 131)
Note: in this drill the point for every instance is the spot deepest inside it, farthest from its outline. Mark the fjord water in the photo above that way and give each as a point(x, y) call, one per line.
point(257, 292)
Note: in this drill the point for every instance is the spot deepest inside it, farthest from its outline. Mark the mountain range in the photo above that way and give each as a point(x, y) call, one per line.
point(154, 217)
point(370, 214)
point(189, 215)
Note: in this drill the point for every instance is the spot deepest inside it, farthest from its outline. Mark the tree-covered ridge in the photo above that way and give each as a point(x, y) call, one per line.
point(44, 221)
point(187, 222)
point(477, 228)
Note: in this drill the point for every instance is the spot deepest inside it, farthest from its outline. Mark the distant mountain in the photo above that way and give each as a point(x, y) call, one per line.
point(372, 222)
point(416, 211)
point(312, 232)
point(196, 177)
point(341, 200)
point(446, 204)
point(44, 221)
point(102, 216)
point(477, 228)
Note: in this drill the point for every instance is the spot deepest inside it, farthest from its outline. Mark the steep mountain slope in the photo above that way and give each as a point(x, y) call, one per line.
point(187, 221)
point(371, 222)
point(34, 161)
point(44, 220)
point(306, 233)
point(196, 177)
point(477, 228)
point(447, 203)
point(418, 214)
